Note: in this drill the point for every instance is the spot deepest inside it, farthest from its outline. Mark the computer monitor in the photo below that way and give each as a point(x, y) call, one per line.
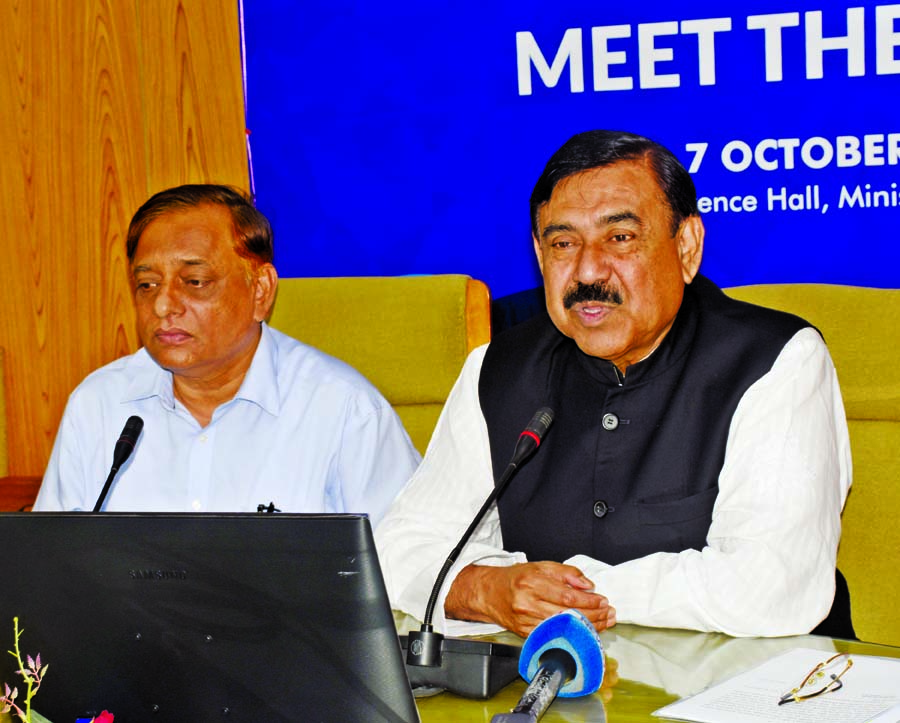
point(202, 617)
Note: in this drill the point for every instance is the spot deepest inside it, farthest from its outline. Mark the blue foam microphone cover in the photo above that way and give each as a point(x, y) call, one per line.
point(572, 632)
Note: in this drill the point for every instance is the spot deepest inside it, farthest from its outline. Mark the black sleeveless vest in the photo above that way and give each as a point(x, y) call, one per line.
point(628, 468)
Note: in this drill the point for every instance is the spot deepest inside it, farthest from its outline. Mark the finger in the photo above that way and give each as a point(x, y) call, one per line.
point(599, 620)
point(572, 598)
point(577, 579)
point(530, 613)
point(526, 622)
point(601, 625)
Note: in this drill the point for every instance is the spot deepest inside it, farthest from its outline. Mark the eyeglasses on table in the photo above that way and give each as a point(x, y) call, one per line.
point(824, 678)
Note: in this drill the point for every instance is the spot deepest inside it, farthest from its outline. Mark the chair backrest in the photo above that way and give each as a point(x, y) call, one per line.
point(861, 327)
point(409, 335)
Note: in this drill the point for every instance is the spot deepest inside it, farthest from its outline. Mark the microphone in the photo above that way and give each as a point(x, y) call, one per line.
point(122, 451)
point(471, 668)
point(529, 440)
point(562, 656)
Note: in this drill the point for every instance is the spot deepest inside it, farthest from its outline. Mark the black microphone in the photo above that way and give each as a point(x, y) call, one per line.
point(122, 451)
point(472, 668)
point(529, 440)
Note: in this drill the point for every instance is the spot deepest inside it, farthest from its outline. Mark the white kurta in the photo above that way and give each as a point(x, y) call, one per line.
point(768, 566)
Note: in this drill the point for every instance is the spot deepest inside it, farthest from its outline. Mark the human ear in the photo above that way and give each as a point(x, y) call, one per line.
point(265, 283)
point(690, 246)
point(538, 253)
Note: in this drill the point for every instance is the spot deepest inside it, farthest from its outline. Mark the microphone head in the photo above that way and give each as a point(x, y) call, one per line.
point(572, 632)
point(530, 438)
point(539, 424)
point(132, 429)
point(127, 440)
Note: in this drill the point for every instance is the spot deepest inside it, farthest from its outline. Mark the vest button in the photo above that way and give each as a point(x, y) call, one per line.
point(610, 422)
point(600, 508)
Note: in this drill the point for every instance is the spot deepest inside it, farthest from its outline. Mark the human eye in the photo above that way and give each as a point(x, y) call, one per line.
point(196, 277)
point(144, 286)
point(623, 237)
point(197, 283)
point(561, 243)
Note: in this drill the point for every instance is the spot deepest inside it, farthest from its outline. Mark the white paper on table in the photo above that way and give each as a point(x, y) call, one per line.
point(871, 687)
point(892, 715)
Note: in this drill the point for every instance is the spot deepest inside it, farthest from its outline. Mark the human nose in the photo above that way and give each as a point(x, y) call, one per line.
point(167, 301)
point(593, 264)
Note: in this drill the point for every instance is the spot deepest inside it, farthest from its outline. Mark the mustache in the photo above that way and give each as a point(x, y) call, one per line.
point(599, 291)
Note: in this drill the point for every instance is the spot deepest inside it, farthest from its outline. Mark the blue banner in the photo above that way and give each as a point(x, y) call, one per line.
point(405, 138)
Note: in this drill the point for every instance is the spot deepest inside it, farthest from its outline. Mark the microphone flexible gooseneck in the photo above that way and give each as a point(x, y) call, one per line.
point(529, 440)
point(425, 647)
point(122, 451)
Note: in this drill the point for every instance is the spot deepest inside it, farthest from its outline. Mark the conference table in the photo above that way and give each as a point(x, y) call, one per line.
point(647, 668)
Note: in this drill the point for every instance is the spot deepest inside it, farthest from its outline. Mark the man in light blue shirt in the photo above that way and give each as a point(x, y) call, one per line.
point(236, 414)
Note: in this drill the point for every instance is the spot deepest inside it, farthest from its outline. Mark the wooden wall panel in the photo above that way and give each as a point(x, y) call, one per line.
point(102, 102)
point(192, 75)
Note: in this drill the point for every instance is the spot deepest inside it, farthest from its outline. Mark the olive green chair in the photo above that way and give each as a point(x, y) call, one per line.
point(409, 335)
point(862, 329)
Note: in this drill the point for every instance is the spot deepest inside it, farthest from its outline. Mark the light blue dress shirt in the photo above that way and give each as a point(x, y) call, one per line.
point(305, 432)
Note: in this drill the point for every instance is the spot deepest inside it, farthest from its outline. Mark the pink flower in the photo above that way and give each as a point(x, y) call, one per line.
point(104, 717)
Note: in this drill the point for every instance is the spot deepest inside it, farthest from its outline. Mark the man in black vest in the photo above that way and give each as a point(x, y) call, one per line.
point(699, 460)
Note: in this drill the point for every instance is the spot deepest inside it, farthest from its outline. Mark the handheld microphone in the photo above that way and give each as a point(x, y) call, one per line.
point(122, 451)
point(562, 656)
point(465, 666)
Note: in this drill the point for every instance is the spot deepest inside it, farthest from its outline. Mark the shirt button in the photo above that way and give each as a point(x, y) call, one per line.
point(610, 422)
point(196, 505)
point(600, 508)
point(204, 438)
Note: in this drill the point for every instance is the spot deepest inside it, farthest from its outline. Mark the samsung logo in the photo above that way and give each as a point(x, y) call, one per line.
point(158, 574)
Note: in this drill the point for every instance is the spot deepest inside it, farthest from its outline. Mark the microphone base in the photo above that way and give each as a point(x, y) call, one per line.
point(470, 668)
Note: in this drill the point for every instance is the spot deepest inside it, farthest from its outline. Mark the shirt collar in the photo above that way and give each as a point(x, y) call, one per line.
point(149, 379)
point(260, 385)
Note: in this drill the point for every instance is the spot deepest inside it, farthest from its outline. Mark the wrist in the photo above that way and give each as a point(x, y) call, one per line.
point(466, 599)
